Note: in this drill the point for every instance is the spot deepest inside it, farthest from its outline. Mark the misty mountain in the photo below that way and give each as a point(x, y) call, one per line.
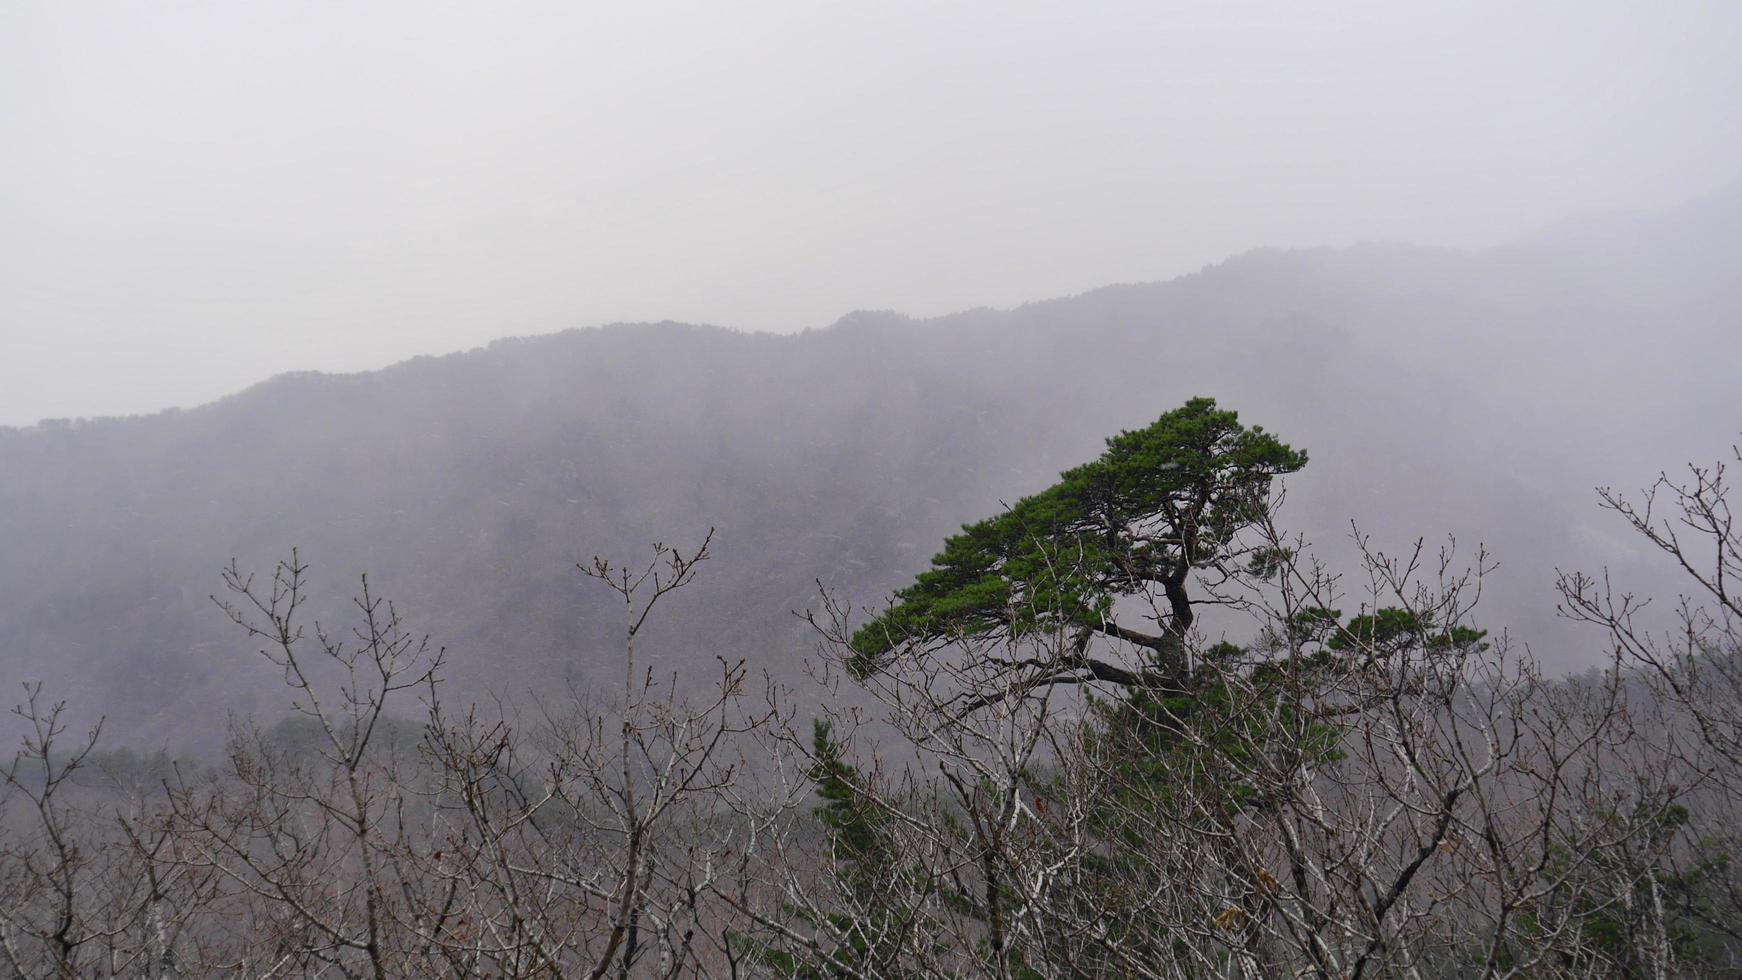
point(1482, 394)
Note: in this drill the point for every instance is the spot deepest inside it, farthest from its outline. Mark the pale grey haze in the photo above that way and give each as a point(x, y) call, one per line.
point(195, 196)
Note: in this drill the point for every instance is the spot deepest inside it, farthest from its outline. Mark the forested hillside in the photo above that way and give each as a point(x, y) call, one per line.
point(1481, 394)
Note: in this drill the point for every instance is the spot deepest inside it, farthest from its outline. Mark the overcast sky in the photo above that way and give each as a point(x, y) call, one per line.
point(196, 196)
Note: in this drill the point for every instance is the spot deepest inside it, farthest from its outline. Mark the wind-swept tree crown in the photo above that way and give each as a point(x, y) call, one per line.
point(1161, 501)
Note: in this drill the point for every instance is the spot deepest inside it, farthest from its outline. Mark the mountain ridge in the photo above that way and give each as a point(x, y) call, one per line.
point(1438, 391)
point(1604, 219)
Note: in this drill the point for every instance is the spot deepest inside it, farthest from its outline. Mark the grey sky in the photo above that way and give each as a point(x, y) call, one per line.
point(196, 196)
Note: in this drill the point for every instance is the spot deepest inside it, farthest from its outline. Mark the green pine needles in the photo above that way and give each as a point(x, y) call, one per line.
point(1160, 502)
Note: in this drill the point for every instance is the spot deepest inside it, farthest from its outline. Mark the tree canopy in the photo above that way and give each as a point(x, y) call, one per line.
point(1161, 502)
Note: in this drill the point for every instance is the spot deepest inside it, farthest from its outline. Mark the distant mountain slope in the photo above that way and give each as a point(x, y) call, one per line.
point(1481, 393)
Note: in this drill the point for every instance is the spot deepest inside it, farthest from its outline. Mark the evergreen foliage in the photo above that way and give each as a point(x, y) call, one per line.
point(1160, 502)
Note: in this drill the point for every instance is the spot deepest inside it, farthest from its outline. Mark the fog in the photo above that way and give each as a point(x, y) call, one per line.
point(1475, 261)
point(194, 197)
point(1156, 490)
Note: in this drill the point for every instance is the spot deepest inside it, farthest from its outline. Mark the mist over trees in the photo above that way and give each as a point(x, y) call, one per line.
point(1051, 767)
point(758, 491)
point(1481, 394)
point(1169, 702)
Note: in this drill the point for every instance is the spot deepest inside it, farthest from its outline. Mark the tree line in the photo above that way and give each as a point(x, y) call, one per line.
point(1127, 727)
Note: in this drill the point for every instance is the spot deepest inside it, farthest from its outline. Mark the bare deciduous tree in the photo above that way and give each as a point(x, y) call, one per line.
point(1281, 788)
